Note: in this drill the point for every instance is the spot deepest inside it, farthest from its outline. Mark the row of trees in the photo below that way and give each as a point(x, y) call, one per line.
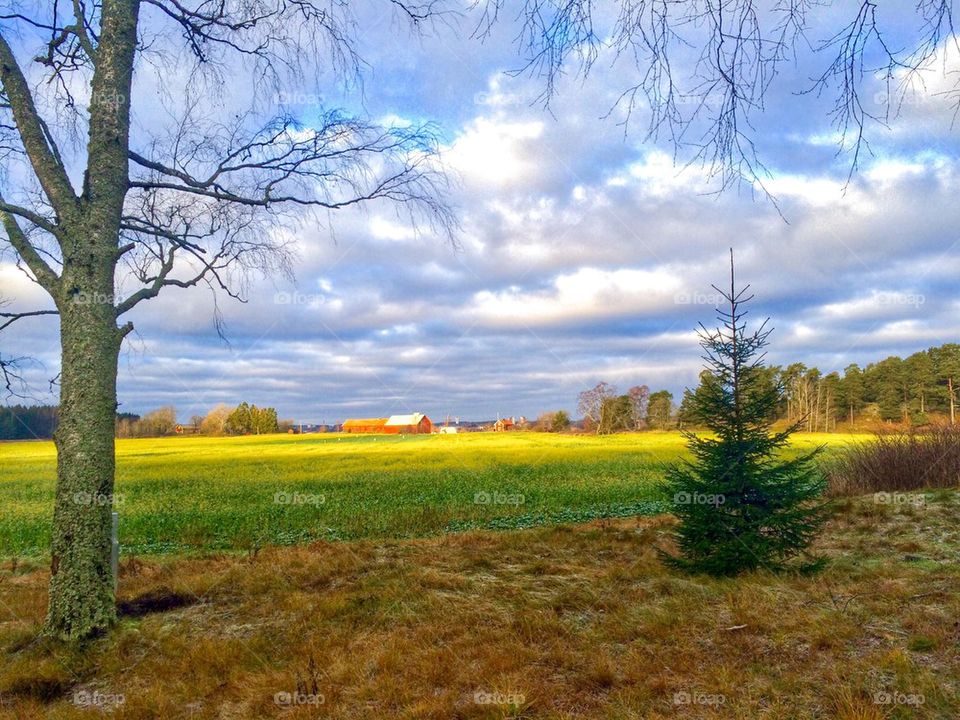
point(916, 390)
point(31, 422)
point(38, 422)
point(156, 423)
point(250, 420)
point(912, 391)
point(244, 419)
point(26, 422)
point(605, 411)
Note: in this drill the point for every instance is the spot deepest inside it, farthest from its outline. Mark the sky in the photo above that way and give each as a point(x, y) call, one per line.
point(586, 251)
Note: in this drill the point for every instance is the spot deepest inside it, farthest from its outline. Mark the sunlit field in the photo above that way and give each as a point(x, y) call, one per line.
point(188, 494)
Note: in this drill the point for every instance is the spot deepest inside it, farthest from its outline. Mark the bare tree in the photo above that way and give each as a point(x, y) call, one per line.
point(590, 403)
point(104, 219)
point(639, 400)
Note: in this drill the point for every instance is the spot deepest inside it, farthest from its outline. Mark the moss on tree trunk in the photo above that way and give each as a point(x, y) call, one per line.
point(82, 599)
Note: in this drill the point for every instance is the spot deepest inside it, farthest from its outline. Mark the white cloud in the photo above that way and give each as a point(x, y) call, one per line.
point(496, 152)
point(584, 294)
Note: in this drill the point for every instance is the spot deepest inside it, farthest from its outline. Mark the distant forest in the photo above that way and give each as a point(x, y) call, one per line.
point(32, 422)
point(912, 391)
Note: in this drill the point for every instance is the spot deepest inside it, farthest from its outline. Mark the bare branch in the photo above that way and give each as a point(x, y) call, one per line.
point(43, 153)
point(44, 274)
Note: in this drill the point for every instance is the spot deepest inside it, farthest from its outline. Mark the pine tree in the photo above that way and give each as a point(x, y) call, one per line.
point(742, 505)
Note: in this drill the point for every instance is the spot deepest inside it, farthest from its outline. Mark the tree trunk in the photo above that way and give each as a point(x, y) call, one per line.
point(952, 401)
point(82, 600)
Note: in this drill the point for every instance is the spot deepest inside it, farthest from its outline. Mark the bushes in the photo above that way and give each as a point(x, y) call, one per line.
point(897, 461)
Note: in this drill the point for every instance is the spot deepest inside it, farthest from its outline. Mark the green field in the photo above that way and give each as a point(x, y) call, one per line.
point(187, 494)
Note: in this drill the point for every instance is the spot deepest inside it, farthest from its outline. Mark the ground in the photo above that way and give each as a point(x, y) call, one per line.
point(568, 621)
point(197, 494)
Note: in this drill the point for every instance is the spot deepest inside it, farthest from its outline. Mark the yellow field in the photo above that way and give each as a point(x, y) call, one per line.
point(197, 493)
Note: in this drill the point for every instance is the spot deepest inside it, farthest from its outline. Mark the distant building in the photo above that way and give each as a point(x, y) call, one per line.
point(448, 430)
point(365, 425)
point(413, 424)
point(504, 424)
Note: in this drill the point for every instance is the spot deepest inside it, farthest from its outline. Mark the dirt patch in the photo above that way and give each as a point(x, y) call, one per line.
point(155, 601)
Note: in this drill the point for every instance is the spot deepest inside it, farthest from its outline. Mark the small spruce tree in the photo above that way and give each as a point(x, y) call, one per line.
point(742, 505)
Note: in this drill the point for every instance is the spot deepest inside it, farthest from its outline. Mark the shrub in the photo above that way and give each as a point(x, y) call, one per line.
point(910, 460)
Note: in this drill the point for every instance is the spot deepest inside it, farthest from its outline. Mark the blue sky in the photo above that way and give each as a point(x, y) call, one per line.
point(586, 252)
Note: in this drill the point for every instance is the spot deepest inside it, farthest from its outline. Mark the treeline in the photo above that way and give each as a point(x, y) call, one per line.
point(918, 390)
point(31, 422)
point(244, 419)
point(36, 422)
point(27, 422)
point(606, 411)
point(915, 391)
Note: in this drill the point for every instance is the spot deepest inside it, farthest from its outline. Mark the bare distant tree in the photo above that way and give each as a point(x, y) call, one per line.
point(590, 403)
point(544, 422)
point(215, 422)
point(639, 398)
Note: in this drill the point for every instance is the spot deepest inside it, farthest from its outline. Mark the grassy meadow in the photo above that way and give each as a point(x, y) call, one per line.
point(562, 622)
point(185, 494)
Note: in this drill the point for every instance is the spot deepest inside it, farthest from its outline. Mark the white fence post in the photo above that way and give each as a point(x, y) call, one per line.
point(115, 550)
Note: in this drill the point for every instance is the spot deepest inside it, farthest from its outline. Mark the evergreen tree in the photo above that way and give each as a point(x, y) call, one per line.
point(851, 391)
point(240, 421)
point(660, 409)
point(741, 505)
point(560, 421)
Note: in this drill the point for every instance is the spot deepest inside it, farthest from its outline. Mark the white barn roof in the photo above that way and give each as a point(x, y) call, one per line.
point(412, 419)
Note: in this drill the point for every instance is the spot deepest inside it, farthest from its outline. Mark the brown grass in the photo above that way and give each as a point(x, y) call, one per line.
point(908, 460)
point(563, 622)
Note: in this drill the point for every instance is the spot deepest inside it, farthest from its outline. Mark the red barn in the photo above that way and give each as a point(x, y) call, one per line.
point(364, 425)
point(413, 424)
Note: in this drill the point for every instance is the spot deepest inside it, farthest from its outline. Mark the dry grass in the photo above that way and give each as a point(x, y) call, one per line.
point(561, 622)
